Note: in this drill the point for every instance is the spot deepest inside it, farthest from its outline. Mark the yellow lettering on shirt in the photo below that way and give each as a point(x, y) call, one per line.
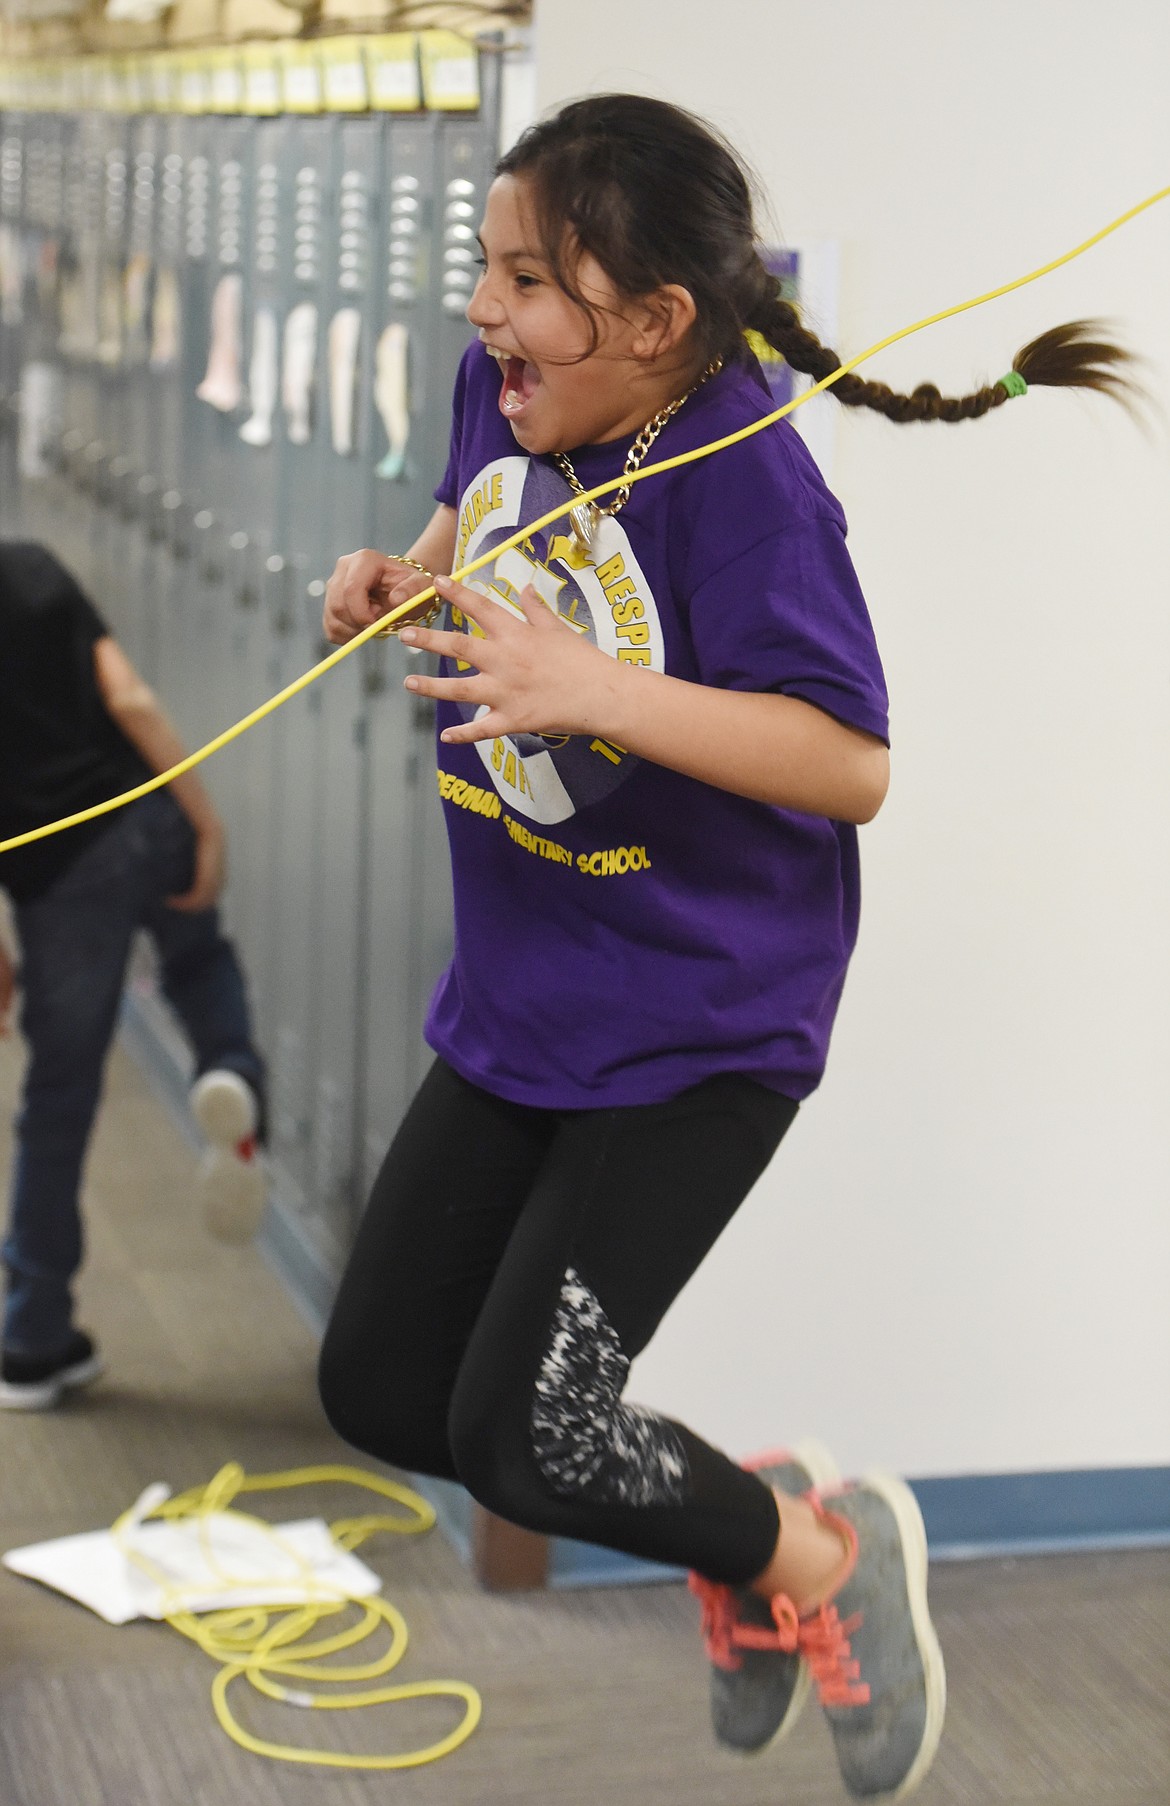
point(484, 501)
point(468, 796)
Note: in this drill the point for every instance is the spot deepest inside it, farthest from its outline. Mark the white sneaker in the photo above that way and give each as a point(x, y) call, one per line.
point(232, 1186)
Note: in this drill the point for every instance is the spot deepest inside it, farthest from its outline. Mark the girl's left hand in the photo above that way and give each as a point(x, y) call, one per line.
point(535, 675)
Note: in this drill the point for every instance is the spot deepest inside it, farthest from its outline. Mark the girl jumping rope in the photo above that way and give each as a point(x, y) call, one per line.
point(660, 722)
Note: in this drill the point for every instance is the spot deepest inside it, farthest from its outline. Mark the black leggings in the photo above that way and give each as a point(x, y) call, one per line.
point(510, 1265)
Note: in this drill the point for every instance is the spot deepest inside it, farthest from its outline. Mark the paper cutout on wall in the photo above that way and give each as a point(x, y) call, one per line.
point(263, 371)
point(392, 397)
point(41, 387)
point(345, 330)
point(164, 319)
point(222, 387)
point(109, 344)
point(11, 277)
point(48, 269)
point(135, 302)
point(299, 372)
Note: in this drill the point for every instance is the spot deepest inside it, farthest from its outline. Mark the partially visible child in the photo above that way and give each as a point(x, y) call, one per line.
point(78, 725)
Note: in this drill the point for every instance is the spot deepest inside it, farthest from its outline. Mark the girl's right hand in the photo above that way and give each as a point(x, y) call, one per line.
point(365, 586)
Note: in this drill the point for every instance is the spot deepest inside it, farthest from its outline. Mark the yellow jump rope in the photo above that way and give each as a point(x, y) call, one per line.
point(268, 1646)
point(386, 622)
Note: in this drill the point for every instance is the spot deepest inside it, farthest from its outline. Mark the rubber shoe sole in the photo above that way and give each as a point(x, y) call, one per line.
point(232, 1185)
point(224, 1106)
point(44, 1395)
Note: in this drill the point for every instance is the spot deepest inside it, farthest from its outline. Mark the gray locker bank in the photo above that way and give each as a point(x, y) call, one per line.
point(228, 339)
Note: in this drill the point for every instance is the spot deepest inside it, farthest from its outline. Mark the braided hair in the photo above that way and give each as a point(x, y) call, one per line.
point(657, 197)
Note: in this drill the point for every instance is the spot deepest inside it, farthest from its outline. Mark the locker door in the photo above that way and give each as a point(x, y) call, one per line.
point(253, 586)
point(465, 156)
point(46, 497)
point(84, 445)
point(64, 496)
point(183, 676)
point(33, 257)
point(108, 453)
point(300, 875)
point(350, 455)
point(134, 457)
point(13, 134)
point(156, 491)
point(400, 758)
point(216, 596)
point(436, 174)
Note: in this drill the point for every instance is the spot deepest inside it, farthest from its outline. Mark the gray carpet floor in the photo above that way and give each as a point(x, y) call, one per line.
point(1059, 1667)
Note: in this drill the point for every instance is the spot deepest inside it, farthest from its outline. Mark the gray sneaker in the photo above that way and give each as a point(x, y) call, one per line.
point(758, 1681)
point(872, 1649)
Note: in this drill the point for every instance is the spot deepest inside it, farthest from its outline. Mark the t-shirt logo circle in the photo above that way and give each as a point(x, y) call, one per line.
point(606, 599)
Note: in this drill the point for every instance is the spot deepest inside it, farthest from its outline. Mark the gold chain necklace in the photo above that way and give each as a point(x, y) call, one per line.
point(586, 516)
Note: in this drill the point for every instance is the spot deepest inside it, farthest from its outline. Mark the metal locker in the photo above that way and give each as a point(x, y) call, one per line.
point(80, 447)
point(399, 751)
point(353, 437)
point(214, 596)
point(13, 134)
point(437, 173)
point(63, 497)
point(155, 489)
point(41, 508)
point(300, 882)
point(133, 459)
point(466, 149)
point(253, 579)
point(25, 305)
point(183, 680)
point(106, 569)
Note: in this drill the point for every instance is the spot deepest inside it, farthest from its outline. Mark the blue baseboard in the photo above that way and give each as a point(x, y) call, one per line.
point(967, 1516)
point(1026, 1514)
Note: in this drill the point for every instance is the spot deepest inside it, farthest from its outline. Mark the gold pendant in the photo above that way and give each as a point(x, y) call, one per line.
point(584, 518)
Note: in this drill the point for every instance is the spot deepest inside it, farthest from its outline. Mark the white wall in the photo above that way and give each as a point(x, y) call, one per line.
point(961, 1260)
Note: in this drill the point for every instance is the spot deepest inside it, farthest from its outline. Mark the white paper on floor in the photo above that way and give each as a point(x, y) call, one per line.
point(203, 1564)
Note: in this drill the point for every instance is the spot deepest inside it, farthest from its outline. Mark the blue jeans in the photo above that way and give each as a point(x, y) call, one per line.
point(74, 943)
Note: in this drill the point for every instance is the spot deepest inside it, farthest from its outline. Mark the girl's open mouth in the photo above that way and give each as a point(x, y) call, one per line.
point(521, 380)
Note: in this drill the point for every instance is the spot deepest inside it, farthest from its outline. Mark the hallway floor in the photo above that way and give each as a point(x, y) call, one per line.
point(1059, 1667)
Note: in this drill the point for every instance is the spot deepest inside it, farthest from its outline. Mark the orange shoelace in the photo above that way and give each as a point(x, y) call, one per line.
point(821, 1637)
point(824, 1643)
point(725, 1633)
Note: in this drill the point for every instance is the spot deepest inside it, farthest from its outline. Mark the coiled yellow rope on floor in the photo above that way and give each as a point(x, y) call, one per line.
point(267, 1645)
point(386, 623)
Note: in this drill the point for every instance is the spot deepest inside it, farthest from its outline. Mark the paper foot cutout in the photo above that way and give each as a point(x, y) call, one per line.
point(164, 319)
point(392, 397)
point(262, 379)
point(222, 387)
point(345, 330)
point(298, 372)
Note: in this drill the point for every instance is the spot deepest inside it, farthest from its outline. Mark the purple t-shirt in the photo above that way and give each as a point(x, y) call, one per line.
point(623, 931)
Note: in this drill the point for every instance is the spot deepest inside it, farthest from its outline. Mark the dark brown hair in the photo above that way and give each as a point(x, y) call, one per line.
point(657, 197)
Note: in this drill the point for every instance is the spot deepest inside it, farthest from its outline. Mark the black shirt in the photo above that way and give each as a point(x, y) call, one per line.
point(60, 752)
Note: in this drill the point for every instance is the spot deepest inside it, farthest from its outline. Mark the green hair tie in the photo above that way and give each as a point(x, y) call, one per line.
point(1013, 382)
